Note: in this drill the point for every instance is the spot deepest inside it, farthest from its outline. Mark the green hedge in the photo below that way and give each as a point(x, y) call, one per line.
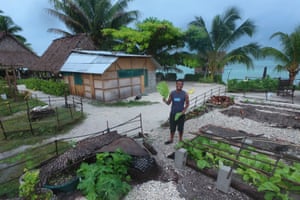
point(256, 85)
point(53, 87)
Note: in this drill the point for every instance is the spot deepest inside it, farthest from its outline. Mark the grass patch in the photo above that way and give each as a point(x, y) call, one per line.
point(10, 107)
point(19, 133)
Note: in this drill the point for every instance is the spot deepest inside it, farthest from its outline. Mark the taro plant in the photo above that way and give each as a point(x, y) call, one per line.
point(107, 178)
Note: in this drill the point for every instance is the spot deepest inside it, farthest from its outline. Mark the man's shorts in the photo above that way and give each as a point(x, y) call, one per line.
point(178, 123)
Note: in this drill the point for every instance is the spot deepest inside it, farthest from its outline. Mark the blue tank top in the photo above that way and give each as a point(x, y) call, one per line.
point(178, 99)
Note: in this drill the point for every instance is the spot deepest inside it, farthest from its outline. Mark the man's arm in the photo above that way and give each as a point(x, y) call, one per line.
point(168, 101)
point(187, 103)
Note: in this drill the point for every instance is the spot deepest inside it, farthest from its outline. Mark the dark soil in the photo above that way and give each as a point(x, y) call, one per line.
point(273, 116)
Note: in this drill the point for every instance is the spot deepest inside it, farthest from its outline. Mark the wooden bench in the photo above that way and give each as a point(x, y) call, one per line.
point(285, 88)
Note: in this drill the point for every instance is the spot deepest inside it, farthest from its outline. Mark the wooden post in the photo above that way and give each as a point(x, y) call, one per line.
point(9, 107)
point(66, 98)
point(81, 107)
point(56, 147)
point(71, 113)
point(57, 118)
point(107, 129)
point(3, 130)
point(141, 124)
point(28, 116)
point(49, 100)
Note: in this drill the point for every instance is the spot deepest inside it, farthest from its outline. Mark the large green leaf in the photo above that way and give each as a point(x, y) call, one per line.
point(178, 115)
point(163, 89)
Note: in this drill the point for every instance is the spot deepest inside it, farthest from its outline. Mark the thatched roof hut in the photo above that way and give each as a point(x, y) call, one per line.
point(14, 53)
point(57, 53)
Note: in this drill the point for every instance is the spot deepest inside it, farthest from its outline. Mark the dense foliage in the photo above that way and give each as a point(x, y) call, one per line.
point(91, 16)
point(158, 38)
point(57, 88)
point(214, 48)
point(107, 178)
point(257, 85)
point(289, 54)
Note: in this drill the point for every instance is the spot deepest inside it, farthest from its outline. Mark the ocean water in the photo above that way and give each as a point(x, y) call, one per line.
point(240, 71)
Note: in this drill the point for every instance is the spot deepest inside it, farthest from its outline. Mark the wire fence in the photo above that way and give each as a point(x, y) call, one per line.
point(30, 115)
point(201, 99)
point(11, 166)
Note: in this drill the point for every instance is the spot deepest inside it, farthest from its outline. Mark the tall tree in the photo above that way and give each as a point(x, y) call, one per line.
point(91, 16)
point(213, 49)
point(289, 55)
point(7, 25)
point(159, 38)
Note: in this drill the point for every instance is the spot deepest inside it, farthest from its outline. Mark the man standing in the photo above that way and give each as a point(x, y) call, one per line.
point(180, 102)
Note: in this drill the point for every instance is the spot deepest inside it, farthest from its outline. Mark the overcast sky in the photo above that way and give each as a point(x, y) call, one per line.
point(269, 16)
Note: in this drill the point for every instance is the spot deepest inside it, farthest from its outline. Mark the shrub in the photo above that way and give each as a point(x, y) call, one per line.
point(53, 87)
point(257, 85)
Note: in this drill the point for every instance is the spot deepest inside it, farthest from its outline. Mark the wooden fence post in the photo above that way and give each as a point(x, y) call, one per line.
point(9, 107)
point(49, 100)
point(28, 116)
point(107, 129)
point(57, 118)
point(56, 147)
point(141, 124)
point(3, 130)
point(71, 113)
point(81, 107)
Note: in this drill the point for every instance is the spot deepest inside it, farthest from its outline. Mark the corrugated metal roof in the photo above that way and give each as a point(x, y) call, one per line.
point(110, 53)
point(87, 63)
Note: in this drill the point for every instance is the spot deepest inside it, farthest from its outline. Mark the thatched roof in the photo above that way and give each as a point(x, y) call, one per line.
point(15, 54)
point(57, 53)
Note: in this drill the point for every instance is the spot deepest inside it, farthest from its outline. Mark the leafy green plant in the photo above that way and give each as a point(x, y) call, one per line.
point(29, 189)
point(107, 177)
point(55, 87)
point(209, 153)
point(178, 115)
point(163, 89)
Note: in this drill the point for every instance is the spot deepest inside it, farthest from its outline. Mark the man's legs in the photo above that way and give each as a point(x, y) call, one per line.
point(172, 129)
point(181, 126)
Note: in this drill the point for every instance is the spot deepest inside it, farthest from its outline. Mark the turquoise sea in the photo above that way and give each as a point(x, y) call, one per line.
point(240, 71)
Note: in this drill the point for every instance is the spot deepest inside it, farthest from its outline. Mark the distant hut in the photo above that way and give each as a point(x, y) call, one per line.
point(14, 57)
point(56, 54)
point(109, 76)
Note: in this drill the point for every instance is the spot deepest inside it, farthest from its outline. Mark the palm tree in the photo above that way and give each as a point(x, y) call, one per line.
point(289, 56)
point(213, 48)
point(92, 16)
point(7, 25)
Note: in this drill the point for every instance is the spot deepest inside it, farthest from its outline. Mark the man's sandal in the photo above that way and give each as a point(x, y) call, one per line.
point(169, 142)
